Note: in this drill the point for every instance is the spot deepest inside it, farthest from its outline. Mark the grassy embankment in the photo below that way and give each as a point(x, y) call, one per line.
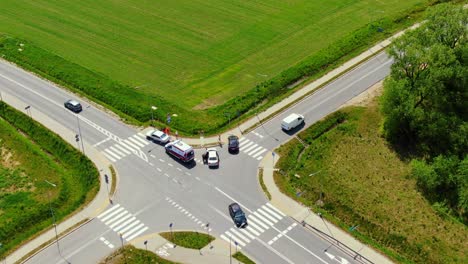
point(30, 157)
point(242, 258)
point(192, 240)
point(367, 184)
point(130, 254)
point(222, 67)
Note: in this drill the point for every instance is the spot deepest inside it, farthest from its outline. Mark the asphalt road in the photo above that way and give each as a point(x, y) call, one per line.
point(155, 190)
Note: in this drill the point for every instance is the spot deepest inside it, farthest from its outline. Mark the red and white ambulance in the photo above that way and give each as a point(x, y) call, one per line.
point(180, 150)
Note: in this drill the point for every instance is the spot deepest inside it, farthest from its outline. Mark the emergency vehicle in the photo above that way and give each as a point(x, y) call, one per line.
point(180, 150)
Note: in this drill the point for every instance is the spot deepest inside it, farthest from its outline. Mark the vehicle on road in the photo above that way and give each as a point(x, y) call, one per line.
point(237, 215)
point(157, 136)
point(180, 150)
point(73, 105)
point(212, 157)
point(292, 121)
point(233, 144)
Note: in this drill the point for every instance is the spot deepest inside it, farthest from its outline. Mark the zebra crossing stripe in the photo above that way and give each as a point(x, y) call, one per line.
point(253, 230)
point(250, 148)
point(267, 215)
point(237, 233)
point(260, 217)
point(124, 224)
point(243, 230)
point(120, 220)
point(109, 210)
point(112, 154)
point(109, 157)
point(258, 153)
point(133, 230)
point(116, 217)
point(259, 158)
point(130, 226)
point(111, 214)
point(131, 144)
point(264, 207)
point(242, 147)
point(117, 151)
point(235, 239)
point(242, 139)
point(143, 141)
point(130, 139)
point(122, 149)
point(275, 209)
point(259, 222)
point(137, 233)
point(255, 150)
point(128, 147)
point(229, 241)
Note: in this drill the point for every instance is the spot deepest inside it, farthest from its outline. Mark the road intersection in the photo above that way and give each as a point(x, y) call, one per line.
point(156, 191)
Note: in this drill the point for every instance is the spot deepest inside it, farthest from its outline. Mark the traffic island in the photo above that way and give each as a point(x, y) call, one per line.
point(193, 240)
point(130, 254)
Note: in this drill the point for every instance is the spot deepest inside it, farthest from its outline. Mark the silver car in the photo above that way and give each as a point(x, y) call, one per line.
point(157, 136)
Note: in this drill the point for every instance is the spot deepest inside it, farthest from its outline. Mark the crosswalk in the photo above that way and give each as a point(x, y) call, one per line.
point(122, 222)
point(251, 148)
point(125, 147)
point(257, 223)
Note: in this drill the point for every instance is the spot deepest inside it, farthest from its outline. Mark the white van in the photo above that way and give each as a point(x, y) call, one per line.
point(180, 150)
point(292, 121)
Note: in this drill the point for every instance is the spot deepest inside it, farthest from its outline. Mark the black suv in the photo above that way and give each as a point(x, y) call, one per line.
point(73, 105)
point(237, 215)
point(233, 143)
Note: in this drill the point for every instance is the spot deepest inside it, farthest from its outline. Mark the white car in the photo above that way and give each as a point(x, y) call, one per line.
point(213, 157)
point(157, 136)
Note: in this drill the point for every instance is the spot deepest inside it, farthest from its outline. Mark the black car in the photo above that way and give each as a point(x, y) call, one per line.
point(237, 215)
point(233, 143)
point(73, 106)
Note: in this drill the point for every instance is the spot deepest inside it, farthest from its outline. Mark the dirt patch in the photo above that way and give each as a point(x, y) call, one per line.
point(366, 97)
point(6, 159)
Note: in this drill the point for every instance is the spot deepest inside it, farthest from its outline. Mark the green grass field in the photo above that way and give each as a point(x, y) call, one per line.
point(205, 52)
point(365, 183)
point(130, 254)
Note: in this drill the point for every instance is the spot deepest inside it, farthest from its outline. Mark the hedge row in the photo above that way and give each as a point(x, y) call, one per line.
point(79, 170)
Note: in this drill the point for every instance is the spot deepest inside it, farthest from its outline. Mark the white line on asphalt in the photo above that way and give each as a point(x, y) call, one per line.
point(103, 219)
point(153, 156)
point(275, 251)
point(259, 216)
point(151, 164)
point(275, 209)
point(264, 207)
point(259, 158)
point(251, 224)
point(250, 229)
point(131, 144)
point(121, 143)
point(120, 220)
point(257, 221)
point(159, 169)
point(242, 139)
point(137, 233)
point(109, 157)
point(170, 164)
point(242, 147)
point(143, 141)
point(102, 238)
point(129, 226)
point(225, 194)
point(111, 246)
point(249, 148)
point(197, 178)
point(139, 144)
point(238, 234)
point(235, 239)
point(254, 151)
point(108, 151)
point(122, 149)
point(247, 233)
point(102, 141)
point(108, 222)
point(161, 160)
point(188, 173)
point(227, 240)
point(267, 215)
point(174, 180)
point(128, 233)
point(108, 210)
point(167, 175)
point(117, 151)
point(179, 169)
point(258, 153)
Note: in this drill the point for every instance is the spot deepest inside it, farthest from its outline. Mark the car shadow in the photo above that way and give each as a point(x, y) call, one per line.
point(295, 130)
point(189, 165)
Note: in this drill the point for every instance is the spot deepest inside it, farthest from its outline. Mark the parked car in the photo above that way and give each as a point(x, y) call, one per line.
point(212, 157)
point(233, 144)
point(292, 121)
point(73, 105)
point(237, 215)
point(157, 136)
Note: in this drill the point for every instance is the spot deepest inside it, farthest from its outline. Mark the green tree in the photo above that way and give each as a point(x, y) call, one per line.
point(425, 98)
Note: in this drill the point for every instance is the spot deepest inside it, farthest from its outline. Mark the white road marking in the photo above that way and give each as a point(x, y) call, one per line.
point(243, 230)
point(131, 144)
point(139, 144)
point(258, 153)
point(141, 140)
point(111, 214)
point(179, 169)
point(255, 150)
point(225, 194)
point(259, 216)
point(137, 233)
point(108, 151)
point(159, 169)
point(161, 160)
point(242, 147)
point(109, 157)
point(259, 158)
point(153, 156)
point(129, 226)
point(122, 149)
point(109, 210)
point(264, 207)
point(235, 239)
point(256, 221)
point(238, 234)
point(275, 209)
point(251, 227)
point(102, 141)
point(229, 241)
point(117, 151)
point(267, 215)
point(124, 224)
point(242, 139)
point(170, 164)
point(249, 148)
point(108, 222)
point(121, 143)
point(120, 220)
point(128, 233)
